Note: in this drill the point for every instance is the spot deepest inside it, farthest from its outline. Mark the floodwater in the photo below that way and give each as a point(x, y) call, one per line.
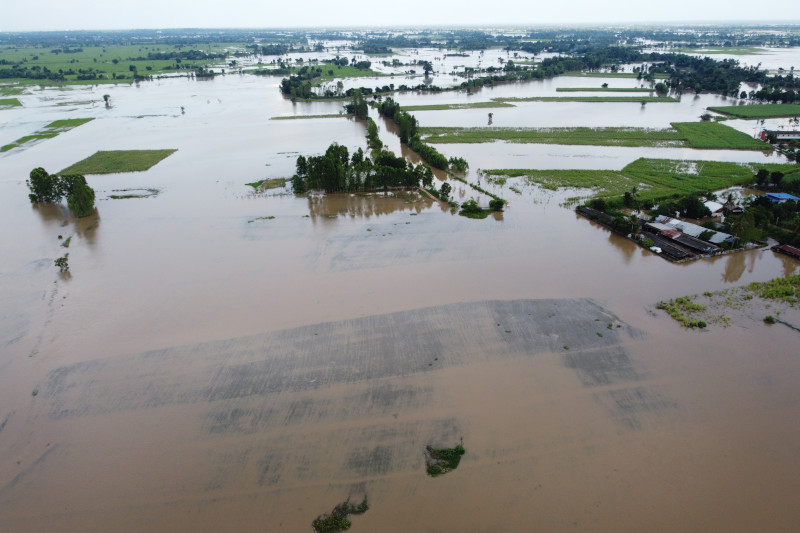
point(219, 359)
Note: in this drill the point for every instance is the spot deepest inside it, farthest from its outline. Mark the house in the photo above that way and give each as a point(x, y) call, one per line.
point(694, 230)
point(780, 197)
point(791, 251)
point(781, 135)
point(716, 208)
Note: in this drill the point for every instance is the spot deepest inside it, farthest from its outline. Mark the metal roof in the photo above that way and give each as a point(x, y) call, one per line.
point(693, 229)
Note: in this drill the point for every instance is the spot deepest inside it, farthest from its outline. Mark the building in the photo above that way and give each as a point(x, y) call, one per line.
point(694, 230)
point(781, 135)
point(780, 197)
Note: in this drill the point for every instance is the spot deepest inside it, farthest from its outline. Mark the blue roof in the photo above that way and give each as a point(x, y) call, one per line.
point(781, 196)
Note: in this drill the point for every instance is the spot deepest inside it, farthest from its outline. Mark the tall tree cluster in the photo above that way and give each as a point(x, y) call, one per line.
point(52, 188)
point(338, 171)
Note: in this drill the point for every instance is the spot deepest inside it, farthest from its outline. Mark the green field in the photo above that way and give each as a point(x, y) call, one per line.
point(9, 102)
point(570, 136)
point(118, 161)
point(603, 90)
point(445, 107)
point(717, 135)
point(656, 179)
point(709, 135)
point(592, 99)
point(109, 63)
point(48, 132)
point(8, 90)
point(759, 110)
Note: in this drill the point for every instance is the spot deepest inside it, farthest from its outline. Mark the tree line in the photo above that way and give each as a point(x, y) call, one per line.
point(338, 171)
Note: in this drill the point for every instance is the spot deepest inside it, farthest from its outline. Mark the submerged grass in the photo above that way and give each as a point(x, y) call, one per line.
point(263, 185)
point(757, 111)
point(656, 179)
point(10, 90)
point(301, 117)
point(692, 314)
point(445, 107)
point(439, 461)
point(48, 132)
point(110, 162)
point(337, 521)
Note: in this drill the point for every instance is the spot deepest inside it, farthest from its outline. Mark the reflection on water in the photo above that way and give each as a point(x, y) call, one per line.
point(366, 204)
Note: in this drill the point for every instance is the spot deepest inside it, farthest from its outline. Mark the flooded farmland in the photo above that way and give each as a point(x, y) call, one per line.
point(224, 359)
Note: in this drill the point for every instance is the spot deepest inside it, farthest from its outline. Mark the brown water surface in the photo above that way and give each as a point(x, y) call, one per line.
point(224, 360)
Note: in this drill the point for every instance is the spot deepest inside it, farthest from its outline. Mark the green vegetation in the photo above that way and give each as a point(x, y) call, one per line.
point(781, 290)
point(63, 265)
point(655, 179)
point(716, 135)
point(758, 111)
point(786, 290)
point(303, 117)
point(9, 102)
point(471, 209)
point(65, 244)
point(591, 99)
point(439, 461)
point(337, 171)
point(445, 107)
point(727, 50)
point(680, 308)
point(266, 184)
point(49, 188)
point(601, 74)
point(145, 193)
point(603, 89)
point(408, 126)
point(110, 162)
point(337, 521)
point(7, 90)
point(48, 132)
point(569, 136)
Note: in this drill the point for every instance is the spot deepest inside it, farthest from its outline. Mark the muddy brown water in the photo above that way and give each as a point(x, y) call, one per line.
point(206, 367)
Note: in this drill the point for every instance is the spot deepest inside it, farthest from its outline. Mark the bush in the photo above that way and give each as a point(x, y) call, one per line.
point(647, 243)
point(496, 204)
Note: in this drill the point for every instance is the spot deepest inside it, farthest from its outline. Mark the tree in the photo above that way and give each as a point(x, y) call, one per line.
point(52, 188)
point(63, 263)
point(445, 190)
point(427, 68)
point(776, 177)
point(80, 197)
point(661, 88)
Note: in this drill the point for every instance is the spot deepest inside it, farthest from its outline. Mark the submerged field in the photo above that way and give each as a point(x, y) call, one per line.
point(48, 132)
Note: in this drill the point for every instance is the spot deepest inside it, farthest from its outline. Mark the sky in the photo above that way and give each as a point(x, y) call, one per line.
point(33, 15)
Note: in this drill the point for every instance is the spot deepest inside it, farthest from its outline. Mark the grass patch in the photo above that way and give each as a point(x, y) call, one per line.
point(758, 111)
point(145, 193)
point(48, 132)
point(781, 290)
point(263, 185)
point(337, 521)
point(439, 461)
point(9, 102)
point(681, 310)
point(716, 135)
point(603, 90)
point(6, 90)
point(602, 74)
point(445, 107)
point(302, 117)
point(110, 162)
point(568, 136)
point(689, 134)
point(591, 99)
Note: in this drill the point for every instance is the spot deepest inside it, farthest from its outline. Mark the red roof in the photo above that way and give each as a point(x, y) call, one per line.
point(671, 233)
